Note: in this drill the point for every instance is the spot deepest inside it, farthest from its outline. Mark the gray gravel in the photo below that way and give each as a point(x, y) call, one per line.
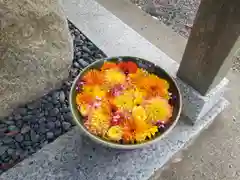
point(36, 124)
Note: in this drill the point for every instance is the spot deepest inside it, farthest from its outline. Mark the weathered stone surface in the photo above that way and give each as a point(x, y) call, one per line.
point(35, 50)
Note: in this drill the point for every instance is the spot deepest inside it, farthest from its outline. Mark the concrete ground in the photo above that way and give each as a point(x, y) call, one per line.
point(215, 155)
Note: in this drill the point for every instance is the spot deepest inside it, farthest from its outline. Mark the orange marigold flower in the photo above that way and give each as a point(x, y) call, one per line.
point(153, 85)
point(95, 91)
point(109, 65)
point(93, 77)
point(128, 131)
point(128, 67)
point(158, 109)
point(83, 98)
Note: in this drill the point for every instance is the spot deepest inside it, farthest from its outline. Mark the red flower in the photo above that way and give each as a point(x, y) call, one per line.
point(128, 67)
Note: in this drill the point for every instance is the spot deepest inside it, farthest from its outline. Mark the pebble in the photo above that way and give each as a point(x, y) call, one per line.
point(9, 122)
point(76, 65)
point(58, 123)
point(27, 137)
point(51, 125)
point(19, 123)
point(85, 49)
point(7, 140)
point(10, 151)
point(65, 109)
point(82, 62)
point(42, 120)
point(22, 111)
point(62, 97)
point(27, 143)
point(50, 135)
point(19, 138)
point(2, 131)
point(54, 112)
point(42, 128)
point(17, 117)
point(35, 126)
point(3, 149)
point(58, 132)
point(68, 116)
point(27, 117)
point(55, 96)
point(34, 136)
point(78, 54)
point(25, 129)
point(53, 119)
point(41, 114)
point(66, 126)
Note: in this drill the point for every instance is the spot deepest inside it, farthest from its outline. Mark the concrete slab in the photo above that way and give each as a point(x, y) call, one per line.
point(72, 157)
point(112, 35)
point(152, 29)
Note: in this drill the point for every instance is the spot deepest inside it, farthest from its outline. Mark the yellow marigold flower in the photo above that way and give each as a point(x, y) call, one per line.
point(158, 109)
point(148, 133)
point(139, 113)
point(95, 91)
point(98, 122)
point(114, 77)
point(115, 133)
point(124, 101)
point(84, 109)
point(138, 96)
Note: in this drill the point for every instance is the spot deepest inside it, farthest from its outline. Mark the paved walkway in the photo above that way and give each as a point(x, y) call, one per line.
point(216, 153)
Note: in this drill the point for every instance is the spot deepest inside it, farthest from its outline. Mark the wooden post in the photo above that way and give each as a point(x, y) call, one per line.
point(206, 59)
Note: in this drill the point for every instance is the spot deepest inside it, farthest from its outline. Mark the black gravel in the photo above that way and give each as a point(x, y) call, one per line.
point(38, 123)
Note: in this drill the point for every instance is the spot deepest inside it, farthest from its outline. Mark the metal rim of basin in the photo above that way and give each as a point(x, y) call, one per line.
point(77, 116)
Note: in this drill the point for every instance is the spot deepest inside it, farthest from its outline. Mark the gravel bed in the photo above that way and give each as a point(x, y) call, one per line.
point(38, 123)
point(179, 15)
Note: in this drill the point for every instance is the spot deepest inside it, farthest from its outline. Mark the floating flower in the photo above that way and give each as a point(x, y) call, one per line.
point(139, 96)
point(98, 122)
point(139, 114)
point(128, 131)
point(148, 133)
point(158, 109)
point(95, 91)
point(84, 109)
point(109, 65)
point(115, 133)
point(93, 77)
point(124, 101)
point(83, 98)
point(114, 77)
point(128, 67)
